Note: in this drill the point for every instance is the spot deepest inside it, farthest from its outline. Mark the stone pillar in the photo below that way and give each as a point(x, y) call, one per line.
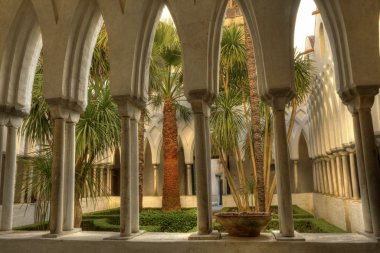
point(364, 103)
point(346, 175)
point(108, 181)
point(69, 188)
point(189, 179)
point(200, 111)
point(354, 176)
point(333, 174)
point(367, 220)
point(329, 176)
point(155, 179)
point(282, 168)
point(325, 176)
point(295, 169)
point(129, 207)
point(339, 174)
point(315, 188)
point(9, 174)
point(317, 167)
point(321, 181)
point(1, 158)
point(135, 213)
point(59, 116)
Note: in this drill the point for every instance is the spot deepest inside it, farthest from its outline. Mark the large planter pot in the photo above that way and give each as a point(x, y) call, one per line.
point(243, 224)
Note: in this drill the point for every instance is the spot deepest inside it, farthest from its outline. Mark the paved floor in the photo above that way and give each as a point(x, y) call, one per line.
point(97, 242)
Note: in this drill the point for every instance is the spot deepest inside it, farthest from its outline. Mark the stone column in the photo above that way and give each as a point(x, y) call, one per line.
point(1, 158)
point(135, 213)
point(364, 103)
point(361, 172)
point(155, 179)
point(318, 174)
point(339, 174)
point(295, 169)
point(354, 176)
point(59, 116)
point(69, 188)
point(9, 174)
point(189, 179)
point(315, 188)
point(346, 175)
point(108, 182)
point(321, 181)
point(282, 168)
point(200, 111)
point(325, 176)
point(333, 174)
point(129, 207)
point(329, 176)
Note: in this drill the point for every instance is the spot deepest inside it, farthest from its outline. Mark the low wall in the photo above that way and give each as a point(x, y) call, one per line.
point(343, 213)
point(156, 201)
point(101, 203)
point(303, 200)
point(23, 214)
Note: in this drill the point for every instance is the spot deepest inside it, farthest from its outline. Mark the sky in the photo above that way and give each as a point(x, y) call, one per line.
point(304, 24)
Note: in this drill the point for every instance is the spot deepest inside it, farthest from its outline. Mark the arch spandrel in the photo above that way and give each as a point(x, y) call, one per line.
point(20, 45)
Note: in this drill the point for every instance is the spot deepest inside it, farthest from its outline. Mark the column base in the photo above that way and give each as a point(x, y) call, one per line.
point(214, 235)
point(369, 235)
point(5, 232)
point(124, 238)
point(296, 238)
point(65, 232)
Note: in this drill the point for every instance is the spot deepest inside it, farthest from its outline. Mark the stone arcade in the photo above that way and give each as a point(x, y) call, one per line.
point(68, 29)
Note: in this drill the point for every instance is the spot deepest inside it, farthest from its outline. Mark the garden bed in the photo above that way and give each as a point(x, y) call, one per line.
point(154, 220)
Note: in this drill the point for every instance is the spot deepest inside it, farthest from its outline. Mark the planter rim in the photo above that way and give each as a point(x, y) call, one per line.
point(252, 214)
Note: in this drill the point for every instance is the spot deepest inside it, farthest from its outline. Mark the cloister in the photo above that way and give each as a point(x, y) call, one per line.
point(338, 127)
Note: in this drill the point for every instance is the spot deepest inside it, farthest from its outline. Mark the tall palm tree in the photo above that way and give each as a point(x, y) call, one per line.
point(166, 94)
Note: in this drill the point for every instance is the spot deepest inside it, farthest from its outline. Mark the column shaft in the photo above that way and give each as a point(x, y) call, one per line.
point(354, 176)
point(1, 161)
point(134, 176)
point(371, 163)
point(339, 175)
point(155, 179)
point(329, 177)
point(9, 180)
point(57, 174)
point(325, 179)
point(334, 176)
point(346, 175)
point(282, 173)
point(189, 177)
point(68, 220)
point(202, 178)
point(295, 169)
point(362, 174)
point(125, 178)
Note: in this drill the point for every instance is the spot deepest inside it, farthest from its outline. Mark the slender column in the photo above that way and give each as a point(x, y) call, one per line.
point(68, 220)
point(295, 169)
point(189, 169)
point(9, 174)
point(282, 169)
point(334, 176)
point(101, 181)
point(57, 173)
point(125, 178)
point(321, 181)
point(329, 177)
point(354, 176)
point(25, 170)
point(135, 213)
point(108, 182)
point(317, 167)
point(200, 109)
point(339, 174)
point(129, 180)
point(30, 185)
point(371, 159)
point(325, 175)
point(155, 179)
point(314, 178)
point(346, 175)
point(367, 219)
point(1, 159)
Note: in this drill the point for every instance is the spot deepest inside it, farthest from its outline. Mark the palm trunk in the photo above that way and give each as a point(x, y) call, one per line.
point(141, 158)
point(255, 118)
point(171, 195)
point(77, 211)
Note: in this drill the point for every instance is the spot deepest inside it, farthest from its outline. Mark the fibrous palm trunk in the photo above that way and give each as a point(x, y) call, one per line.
point(255, 118)
point(141, 159)
point(171, 195)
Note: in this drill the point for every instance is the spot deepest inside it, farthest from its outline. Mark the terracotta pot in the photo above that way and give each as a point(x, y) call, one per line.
point(243, 224)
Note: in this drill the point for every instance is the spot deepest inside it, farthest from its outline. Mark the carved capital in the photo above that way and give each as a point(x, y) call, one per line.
point(129, 107)
point(362, 99)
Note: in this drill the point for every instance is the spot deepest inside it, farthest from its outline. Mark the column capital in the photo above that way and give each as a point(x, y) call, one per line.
point(200, 101)
point(129, 107)
point(363, 99)
point(343, 153)
point(351, 149)
point(279, 102)
point(10, 120)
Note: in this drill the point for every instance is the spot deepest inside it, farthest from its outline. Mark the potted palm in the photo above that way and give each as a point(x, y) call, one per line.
point(239, 120)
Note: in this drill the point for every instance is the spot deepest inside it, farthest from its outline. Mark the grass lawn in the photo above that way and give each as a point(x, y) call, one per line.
point(154, 220)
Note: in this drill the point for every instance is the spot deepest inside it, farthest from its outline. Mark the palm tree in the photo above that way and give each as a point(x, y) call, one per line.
point(97, 132)
point(166, 94)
